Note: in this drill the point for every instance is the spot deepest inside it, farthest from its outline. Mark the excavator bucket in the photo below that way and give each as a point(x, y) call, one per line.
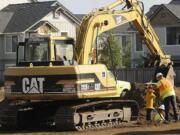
point(167, 71)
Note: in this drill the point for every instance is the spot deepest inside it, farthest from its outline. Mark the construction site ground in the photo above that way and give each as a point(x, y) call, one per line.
point(141, 129)
point(167, 129)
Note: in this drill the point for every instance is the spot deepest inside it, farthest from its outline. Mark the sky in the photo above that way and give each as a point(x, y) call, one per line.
point(85, 6)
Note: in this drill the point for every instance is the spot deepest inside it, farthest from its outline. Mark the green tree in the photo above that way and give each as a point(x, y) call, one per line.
point(110, 52)
point(146, 60)
point(126, 52)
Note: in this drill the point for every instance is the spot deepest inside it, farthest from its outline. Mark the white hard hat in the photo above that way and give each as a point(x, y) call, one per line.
point(162, 107)
point(158, 75)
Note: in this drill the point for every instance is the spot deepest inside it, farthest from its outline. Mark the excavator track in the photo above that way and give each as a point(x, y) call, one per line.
point(80, 116)
point(96, 115)
point(23, 115)
point(8, 115)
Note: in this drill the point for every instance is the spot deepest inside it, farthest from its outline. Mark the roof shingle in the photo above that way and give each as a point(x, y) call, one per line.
point(27, 14)
point(5, 17)
point(173, 8)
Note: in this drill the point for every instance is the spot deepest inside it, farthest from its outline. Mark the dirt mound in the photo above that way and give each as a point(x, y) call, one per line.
point(138, 93)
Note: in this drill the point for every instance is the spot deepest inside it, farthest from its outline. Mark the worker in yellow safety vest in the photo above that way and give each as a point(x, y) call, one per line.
point(167, 94)
point(159, 115)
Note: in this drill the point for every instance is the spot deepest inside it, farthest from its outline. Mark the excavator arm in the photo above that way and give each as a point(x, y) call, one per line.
point(109, 17)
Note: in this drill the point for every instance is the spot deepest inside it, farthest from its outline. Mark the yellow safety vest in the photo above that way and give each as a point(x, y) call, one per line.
point(159, 117)
point(166, 88)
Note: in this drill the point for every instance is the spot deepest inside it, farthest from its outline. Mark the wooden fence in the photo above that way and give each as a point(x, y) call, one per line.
point(143, 75)
point(135, 74)
point(139, 75)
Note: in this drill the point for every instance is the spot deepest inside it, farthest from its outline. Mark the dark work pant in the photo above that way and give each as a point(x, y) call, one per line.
point(148, 113)
point(167, 101)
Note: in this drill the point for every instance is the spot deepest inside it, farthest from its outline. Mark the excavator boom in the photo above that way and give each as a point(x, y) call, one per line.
point(108, 18)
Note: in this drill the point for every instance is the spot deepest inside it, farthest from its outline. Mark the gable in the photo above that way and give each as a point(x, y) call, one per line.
point(44, 27)
point(27, 15)
point(164, 17)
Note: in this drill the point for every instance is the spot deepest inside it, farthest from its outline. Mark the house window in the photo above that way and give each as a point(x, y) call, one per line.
point(139, 43)
point(14, 43)
point(124, 41)
point(64, 34)
point(178, 38)
point(57, 14)
point(11, 43)
point(173, 35)
point(126, 50)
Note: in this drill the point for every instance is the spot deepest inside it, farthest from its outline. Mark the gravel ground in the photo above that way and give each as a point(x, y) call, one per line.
point(168, 129)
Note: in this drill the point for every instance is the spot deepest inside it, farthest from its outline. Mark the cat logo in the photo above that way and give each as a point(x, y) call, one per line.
point(33, 85)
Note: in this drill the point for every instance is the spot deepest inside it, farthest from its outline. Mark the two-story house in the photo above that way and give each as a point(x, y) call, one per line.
point(165, 19)
point(20, 21)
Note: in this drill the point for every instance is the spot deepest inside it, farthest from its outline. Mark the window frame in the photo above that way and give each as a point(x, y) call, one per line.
point(11, 45)
point(136, 44)
point(178, 38)
point(65, 32)
point(166, 40)
point(55, 50)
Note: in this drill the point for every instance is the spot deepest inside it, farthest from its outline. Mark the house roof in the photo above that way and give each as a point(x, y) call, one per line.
point(152, 10)
point(173, 7)
point(175, 2)
point(5, 17)
point(80, 16)
point(26, 15)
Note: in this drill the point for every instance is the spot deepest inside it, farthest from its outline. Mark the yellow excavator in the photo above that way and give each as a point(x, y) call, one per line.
point(49, 86)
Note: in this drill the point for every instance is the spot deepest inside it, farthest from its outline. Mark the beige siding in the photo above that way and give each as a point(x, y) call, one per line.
point(161, 33)
point(173, 50)
point(63, 23)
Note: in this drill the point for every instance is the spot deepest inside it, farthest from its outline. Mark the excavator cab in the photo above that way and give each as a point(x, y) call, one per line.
point(44, 51)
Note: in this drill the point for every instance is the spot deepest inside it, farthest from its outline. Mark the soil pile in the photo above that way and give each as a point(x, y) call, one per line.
point(138, 93)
